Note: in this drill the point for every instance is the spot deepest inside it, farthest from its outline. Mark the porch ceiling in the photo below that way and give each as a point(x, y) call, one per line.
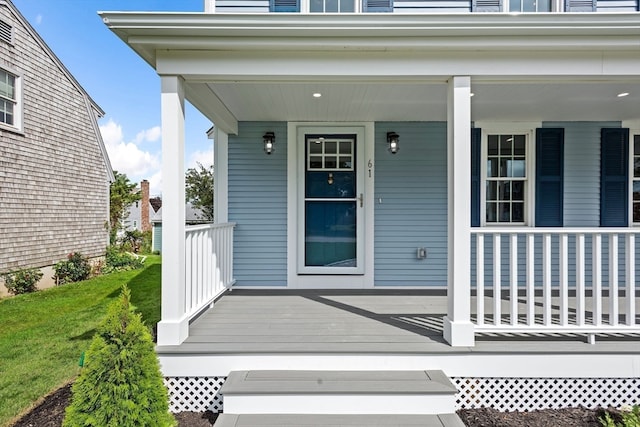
point(426, 101)
point(381, 67)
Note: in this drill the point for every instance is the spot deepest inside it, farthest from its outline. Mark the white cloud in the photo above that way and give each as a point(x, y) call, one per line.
point(127, 157)
point(39, 19)
point(149, 135)
point(155, 184)
point(205, 158)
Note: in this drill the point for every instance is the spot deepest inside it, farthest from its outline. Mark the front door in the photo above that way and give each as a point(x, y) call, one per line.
point(333, 202)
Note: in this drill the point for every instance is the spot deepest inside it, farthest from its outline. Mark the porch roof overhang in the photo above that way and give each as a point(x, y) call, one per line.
point(387, 67)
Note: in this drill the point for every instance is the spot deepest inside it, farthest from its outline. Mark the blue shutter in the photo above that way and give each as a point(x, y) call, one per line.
point(377, 5)
point(486, 6)
point(549, 177)
point(284, 5)
point(614, 177)
point(476, 156)
point(580, 5)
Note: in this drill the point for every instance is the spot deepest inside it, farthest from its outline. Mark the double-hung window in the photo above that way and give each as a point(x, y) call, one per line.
point(8, 98)
point(506, 178)
point(331, 6)
point(635, 185)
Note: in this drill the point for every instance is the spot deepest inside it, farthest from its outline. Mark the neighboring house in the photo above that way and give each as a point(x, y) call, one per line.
point(432, 187)
point(192, 216)
point(139, 213)
point(54, 170)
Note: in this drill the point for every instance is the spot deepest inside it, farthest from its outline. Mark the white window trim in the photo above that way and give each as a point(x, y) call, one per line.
point(18, 108)
point(521, 128)
point(632, 134)
point(634, 129)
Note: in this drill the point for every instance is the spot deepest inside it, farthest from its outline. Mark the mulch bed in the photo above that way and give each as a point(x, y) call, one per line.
point(50, 413)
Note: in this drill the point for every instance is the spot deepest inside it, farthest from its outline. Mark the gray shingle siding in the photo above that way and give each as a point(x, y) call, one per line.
point(54, 179)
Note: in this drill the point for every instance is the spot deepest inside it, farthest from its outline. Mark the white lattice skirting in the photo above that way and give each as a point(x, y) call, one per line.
point(527, 394)
point(200, 394)
point(197, 394)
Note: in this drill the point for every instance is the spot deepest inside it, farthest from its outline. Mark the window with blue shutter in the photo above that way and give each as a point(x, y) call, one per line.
point(614, 177)
point(377, 5)
point(476, 155)
point(549, 177)
point(284, 5)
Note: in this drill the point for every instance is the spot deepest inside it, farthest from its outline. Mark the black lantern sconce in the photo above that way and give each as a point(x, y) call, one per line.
point(393, 140)
point(269, 142)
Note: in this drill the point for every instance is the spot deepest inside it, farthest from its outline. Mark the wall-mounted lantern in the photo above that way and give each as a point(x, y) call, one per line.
point(269, 142)
point(393, 140)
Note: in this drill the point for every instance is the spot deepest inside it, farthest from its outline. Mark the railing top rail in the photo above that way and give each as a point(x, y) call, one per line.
point(209, 226)
point(555, 230)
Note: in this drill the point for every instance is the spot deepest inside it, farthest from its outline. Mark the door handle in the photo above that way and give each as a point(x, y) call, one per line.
point(361, 198)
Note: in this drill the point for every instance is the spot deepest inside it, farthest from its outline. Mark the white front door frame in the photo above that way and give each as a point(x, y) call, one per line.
point(295, 176)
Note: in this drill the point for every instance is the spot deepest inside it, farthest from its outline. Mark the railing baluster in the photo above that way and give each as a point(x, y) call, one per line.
point(531, 291)
point(480, 279)
point(564, 279)
point(596, 297)
point(208, 264)
point(497, 279)
point(546, 278)
point(548, 267)
point(580, 280)
point(630, 276)
point(513, 278)
point(613, 279)
point(189, 273)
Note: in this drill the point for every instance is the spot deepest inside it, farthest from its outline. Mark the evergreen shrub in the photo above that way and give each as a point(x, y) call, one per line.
point(120, 384)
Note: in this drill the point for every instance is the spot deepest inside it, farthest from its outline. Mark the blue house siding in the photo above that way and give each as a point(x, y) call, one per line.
point(411, 205)
point(258, 204)
point(581, 171)
point(581, 209)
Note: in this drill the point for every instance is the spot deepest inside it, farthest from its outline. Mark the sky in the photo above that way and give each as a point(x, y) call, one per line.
point(119, 81)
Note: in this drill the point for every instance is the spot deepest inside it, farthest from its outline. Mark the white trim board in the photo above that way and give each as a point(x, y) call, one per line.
point(310, 281)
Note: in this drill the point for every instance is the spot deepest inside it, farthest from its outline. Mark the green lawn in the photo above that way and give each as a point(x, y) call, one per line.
point(43, 334)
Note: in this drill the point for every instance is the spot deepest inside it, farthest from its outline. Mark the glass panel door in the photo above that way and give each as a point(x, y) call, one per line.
point(331, 201)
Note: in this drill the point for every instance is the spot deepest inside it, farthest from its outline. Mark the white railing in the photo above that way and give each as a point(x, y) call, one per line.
point(548, 280)
point(208, 264)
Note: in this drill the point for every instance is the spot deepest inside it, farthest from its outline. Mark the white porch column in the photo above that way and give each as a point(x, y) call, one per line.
point(174, 325)
point(221, 176)
point(458, 329)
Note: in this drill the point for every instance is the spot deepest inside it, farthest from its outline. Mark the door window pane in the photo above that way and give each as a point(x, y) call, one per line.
point(330, 239)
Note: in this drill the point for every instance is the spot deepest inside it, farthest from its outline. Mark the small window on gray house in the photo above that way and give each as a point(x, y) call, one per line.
point(8, 98)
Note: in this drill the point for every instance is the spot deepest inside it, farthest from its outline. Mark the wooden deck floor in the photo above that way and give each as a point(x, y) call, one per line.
point(398, 322)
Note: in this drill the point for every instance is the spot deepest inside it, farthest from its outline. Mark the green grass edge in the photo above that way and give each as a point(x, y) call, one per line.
point(43, 334)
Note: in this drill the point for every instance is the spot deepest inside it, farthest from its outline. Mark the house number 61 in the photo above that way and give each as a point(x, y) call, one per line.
point(370, 165)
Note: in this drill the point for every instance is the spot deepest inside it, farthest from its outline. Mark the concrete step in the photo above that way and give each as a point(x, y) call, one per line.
point(333, 420)
point(338, 392)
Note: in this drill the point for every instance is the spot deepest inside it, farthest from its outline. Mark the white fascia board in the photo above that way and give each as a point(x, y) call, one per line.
point(146, 32)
